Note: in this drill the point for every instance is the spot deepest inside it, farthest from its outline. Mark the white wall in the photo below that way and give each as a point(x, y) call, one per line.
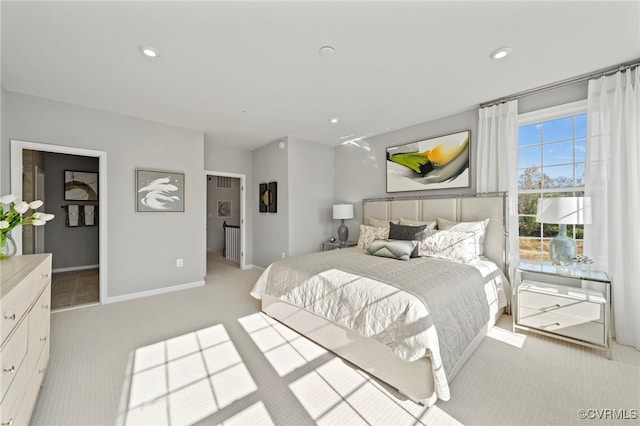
point(310, 195)
point(142, 247)
point(270, 230)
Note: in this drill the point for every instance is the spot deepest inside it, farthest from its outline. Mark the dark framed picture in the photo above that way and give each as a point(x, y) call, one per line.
point(159, 191)
point(80, 186)
point(224, 209)
point(434, 163)
point(264, 197)
point(273, 201)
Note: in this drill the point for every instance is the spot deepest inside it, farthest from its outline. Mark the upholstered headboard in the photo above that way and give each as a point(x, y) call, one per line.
point(463, 208)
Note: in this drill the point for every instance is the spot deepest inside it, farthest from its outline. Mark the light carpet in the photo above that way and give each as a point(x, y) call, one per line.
point(208, 356)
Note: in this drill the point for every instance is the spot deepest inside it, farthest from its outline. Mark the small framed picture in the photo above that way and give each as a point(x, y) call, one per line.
point(224, 209)
point(159, 191)
point(80, 186)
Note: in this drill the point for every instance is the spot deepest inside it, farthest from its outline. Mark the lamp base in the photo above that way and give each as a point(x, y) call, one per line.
point(343, 233)
point(562, 249)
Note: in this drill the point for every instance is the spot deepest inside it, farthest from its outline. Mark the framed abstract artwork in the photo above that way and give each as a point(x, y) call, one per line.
point(81, 186)
point(159, 191)
point(434, 163)
point(268, 197)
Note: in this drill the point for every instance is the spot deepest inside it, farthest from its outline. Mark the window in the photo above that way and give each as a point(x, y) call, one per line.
point(551, 163)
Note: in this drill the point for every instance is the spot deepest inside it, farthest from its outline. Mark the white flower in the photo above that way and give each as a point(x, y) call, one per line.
point(43, 216)
point(4, 224)
point(22, 207)
point(35, 204)
point(8, 199)
point(38, 222)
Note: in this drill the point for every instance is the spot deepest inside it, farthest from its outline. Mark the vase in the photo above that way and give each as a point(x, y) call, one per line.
point(7, 246)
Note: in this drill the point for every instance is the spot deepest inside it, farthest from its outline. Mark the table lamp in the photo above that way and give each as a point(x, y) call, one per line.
point(563, 211)
point(343, 211)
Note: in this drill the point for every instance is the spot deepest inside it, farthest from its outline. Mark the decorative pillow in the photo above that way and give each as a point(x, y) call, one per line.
point(431, 225)
point(407, 233)
point(478, 228)
point(451, 245)
point(370, 233)
point(381, 223)
point(396, 249)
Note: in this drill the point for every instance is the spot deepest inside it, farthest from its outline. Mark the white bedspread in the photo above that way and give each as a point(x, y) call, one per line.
point(374, 308)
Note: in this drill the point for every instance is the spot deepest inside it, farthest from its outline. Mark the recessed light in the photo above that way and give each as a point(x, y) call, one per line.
point(150, 51)
point(500, 53)
point(326, 51)
point(334, 120)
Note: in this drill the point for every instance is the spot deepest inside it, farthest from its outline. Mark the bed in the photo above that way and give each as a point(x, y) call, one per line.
point(411, 323)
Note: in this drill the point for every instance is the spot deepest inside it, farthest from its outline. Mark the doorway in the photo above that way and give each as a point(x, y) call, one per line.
point(225, 232)
point(46, 166)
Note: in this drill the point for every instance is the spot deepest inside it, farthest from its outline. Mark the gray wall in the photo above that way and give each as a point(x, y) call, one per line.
point(219, 158)
point(71, 246)
point(310, 195)
point(270, 230)
point(215, 231)
point(142, 247)
point(360, 171)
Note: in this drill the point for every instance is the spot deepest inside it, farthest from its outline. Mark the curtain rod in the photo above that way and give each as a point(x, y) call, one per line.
point(562, 83)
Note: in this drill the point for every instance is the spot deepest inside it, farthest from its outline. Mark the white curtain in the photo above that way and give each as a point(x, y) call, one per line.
point(613, 182)
point(497, 163)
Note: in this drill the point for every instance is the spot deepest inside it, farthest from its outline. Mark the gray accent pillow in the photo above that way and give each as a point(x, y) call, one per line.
point(407, 233)
point(396, 249)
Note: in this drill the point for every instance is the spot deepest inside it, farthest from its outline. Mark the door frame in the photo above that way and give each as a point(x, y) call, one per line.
point(17, 146)
point(243, 209)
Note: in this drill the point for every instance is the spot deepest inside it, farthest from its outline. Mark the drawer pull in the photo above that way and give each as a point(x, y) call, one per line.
point(12, 317)
point(10, 370)
point(44, 275)
point(43, 339)
point(8, 424)
point(42, 371)
point(548, 308)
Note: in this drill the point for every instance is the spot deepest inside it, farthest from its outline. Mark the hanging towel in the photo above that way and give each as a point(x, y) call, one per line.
point(89, 215)
point(73, 214)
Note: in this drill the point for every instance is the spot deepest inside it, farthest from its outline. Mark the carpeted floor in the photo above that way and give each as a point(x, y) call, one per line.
point(207, 356)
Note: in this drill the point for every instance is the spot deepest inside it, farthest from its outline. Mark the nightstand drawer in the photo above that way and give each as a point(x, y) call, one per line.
point(582, 309)
point(566, 325)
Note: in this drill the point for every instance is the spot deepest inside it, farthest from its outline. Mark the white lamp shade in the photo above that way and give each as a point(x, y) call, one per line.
point(343, 211)
point(564, 210)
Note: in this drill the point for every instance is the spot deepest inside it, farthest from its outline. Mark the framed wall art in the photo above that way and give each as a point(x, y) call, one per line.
point(224, 209)
point(268, 197)
point(434, 163)
point(159, 191)
point(80, 186)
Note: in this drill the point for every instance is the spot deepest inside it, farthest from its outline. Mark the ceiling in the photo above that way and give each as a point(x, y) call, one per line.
point(248, 73)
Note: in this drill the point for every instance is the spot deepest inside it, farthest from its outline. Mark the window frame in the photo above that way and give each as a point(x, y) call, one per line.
point(570, 109)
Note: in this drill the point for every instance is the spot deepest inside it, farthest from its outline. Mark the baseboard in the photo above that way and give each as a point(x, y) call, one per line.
point(74, 268)
point(155, 292)
point(253, 267)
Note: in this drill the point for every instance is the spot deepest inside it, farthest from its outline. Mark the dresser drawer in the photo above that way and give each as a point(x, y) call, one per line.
point(583, 309)
point(12, 356)
point(565, 325)
point(11, 404)
point(39, 329)
point(18, 300)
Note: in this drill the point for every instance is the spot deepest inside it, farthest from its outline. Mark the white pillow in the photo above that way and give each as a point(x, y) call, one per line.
point(370, 233)
point(381, 223)
point(431, 225)
point(450, 245)
point(478, 228)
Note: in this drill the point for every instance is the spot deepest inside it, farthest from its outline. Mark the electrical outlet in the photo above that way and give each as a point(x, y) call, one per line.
point(179, 263)
point(283, 255)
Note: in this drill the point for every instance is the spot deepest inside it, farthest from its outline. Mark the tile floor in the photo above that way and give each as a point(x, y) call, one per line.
point(75, 288)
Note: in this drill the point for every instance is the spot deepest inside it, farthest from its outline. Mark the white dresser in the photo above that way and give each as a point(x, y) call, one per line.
point(25, 300)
